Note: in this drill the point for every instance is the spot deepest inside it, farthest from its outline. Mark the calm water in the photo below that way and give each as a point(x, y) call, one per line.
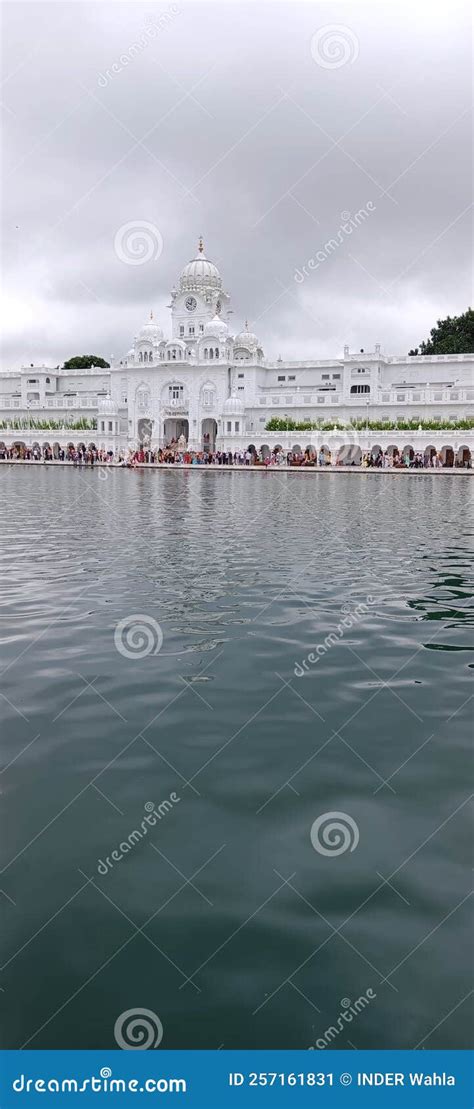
point(224, 920)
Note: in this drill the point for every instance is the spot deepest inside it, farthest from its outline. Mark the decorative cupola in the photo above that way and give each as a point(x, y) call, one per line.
point(246, 339)
point(150, 331)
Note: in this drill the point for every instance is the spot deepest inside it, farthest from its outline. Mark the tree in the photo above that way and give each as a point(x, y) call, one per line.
point(454, 335)
point(85, 361)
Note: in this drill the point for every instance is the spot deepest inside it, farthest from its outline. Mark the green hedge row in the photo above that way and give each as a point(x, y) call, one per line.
point(30, 424)
point(277, 424)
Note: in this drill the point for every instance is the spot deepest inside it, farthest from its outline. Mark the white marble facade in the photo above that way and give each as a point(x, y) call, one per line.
point(215, 387)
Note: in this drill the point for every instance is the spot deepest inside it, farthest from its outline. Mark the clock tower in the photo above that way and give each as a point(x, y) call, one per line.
point(198, 299)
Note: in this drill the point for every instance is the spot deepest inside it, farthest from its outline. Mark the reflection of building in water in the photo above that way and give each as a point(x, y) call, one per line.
point(214, 389)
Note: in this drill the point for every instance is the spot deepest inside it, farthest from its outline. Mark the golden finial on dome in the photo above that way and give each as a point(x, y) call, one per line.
point(246, 325)
point(201, 245)
point(151, 313)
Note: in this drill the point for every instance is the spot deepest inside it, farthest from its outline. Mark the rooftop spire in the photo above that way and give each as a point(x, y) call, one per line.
point(201, 245)
point(151, 313)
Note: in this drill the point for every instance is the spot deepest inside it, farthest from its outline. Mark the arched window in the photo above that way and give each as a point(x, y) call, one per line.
point(360, 388)
point(216, 352)
point(205, 352)
point(208, 397)
point(211, 353)
point(140, 357)
point(143, 398)
point(145, 356)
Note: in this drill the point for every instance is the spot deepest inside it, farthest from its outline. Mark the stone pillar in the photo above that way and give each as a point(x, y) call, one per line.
point(194, 434)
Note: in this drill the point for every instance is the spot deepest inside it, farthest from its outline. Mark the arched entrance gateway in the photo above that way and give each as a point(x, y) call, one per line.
point(447, 456)
point(463, 456)
point(209, 435)
point(173, 428)
point(349, 455)
point(144, 430)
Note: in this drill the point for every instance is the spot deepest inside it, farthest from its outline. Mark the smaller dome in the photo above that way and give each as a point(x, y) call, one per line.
point(217, 328)
point(106, 405)
point(233, 406)
point(246, 338)
point(130, 353)
point(150, 331)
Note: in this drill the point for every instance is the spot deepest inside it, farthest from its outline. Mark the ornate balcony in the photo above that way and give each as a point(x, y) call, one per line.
point(175, 409)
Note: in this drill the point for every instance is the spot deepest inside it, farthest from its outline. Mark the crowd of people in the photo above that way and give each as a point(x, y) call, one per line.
point(176, 455)
point(381, 460)
point(77, 455)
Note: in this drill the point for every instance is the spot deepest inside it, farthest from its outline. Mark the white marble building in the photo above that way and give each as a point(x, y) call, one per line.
point(217, 389)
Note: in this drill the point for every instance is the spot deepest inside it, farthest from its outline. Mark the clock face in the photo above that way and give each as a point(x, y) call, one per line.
point(191, 304)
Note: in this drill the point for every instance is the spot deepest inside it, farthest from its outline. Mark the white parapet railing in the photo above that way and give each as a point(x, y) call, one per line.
point(62, 402)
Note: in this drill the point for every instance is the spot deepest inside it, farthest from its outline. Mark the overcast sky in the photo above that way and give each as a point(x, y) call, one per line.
point(259, 126)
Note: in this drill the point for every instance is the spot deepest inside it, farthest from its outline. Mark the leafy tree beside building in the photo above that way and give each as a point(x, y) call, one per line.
point(85, 361)
point(454, 335)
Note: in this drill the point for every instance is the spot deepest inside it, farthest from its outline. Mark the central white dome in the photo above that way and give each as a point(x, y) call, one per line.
point(200, 273)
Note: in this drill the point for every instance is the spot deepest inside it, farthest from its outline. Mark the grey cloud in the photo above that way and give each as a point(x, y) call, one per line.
point(275, 149)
